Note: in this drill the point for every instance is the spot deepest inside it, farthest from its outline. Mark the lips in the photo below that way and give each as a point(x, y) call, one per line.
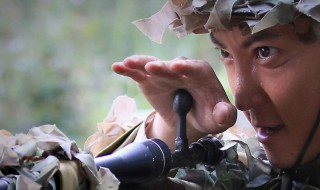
point(267, 133)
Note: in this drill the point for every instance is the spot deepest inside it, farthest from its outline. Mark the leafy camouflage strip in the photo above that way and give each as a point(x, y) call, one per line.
point(29, 162)
point(201, 16)
point(117, 130)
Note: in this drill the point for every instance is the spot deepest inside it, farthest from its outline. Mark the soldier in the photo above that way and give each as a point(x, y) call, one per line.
point(270, 50)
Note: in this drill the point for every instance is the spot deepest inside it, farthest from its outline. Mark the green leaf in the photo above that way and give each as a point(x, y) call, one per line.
point(310, 8)
point(280, 14)
point(220, 14)
point(223, 9)
point(47, 168)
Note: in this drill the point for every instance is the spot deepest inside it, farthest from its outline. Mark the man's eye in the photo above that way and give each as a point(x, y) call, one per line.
point(265, 52)
point(224, 54)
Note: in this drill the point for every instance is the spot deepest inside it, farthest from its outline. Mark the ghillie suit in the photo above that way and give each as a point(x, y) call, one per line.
point(201, 16)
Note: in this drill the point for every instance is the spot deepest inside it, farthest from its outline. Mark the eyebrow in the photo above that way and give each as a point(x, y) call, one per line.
point(215, 41)
point(260, 36)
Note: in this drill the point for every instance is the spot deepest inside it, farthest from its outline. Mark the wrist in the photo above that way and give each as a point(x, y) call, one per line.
point(158, 128)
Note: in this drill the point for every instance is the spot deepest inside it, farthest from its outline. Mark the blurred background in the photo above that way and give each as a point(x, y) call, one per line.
point(56, 60)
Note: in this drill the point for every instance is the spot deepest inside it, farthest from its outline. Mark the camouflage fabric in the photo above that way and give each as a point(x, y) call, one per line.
point(201, 16)
point(118, 129)
point(45, 158)
point(232, 174)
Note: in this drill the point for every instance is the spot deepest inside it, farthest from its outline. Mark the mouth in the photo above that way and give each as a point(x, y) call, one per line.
point(265, 134)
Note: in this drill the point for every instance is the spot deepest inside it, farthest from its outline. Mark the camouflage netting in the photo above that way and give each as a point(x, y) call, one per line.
point(45, 158)
point(201, 16)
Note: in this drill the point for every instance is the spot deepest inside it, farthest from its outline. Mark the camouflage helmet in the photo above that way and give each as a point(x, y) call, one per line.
point(201, 16)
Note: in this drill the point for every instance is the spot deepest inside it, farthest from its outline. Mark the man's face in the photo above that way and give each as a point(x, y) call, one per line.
point(275, 79)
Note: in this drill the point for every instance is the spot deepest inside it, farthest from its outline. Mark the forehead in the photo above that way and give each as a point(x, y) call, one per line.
point(222, 38)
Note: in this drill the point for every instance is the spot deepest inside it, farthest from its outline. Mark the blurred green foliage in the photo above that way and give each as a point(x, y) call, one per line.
point(56, 60)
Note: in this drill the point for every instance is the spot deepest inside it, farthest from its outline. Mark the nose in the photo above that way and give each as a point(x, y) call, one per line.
point(248, 89)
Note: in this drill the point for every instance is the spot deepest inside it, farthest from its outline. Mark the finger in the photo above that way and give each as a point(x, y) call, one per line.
point(161, 69)
point(138, 61)
point(135, 74)
point(181, 58)
point(224, 115)
point(191, 68)
point(197, 70)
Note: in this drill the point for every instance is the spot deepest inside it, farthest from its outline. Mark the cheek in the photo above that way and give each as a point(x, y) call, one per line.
point(295, 94)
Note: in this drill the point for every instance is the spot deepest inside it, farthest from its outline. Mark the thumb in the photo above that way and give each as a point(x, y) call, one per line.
point(224, 115)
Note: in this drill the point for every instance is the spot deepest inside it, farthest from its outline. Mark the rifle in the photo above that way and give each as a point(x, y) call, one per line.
point(153, 158)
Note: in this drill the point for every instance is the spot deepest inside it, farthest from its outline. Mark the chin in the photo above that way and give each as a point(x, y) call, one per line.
point(280, 162)
point(286, 160)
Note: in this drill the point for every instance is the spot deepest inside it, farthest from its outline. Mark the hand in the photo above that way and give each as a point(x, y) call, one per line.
point(158, 80)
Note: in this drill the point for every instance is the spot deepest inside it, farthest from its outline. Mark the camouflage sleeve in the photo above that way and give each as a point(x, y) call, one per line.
point(118, 129)
point(244, 167)
point(112, 134)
